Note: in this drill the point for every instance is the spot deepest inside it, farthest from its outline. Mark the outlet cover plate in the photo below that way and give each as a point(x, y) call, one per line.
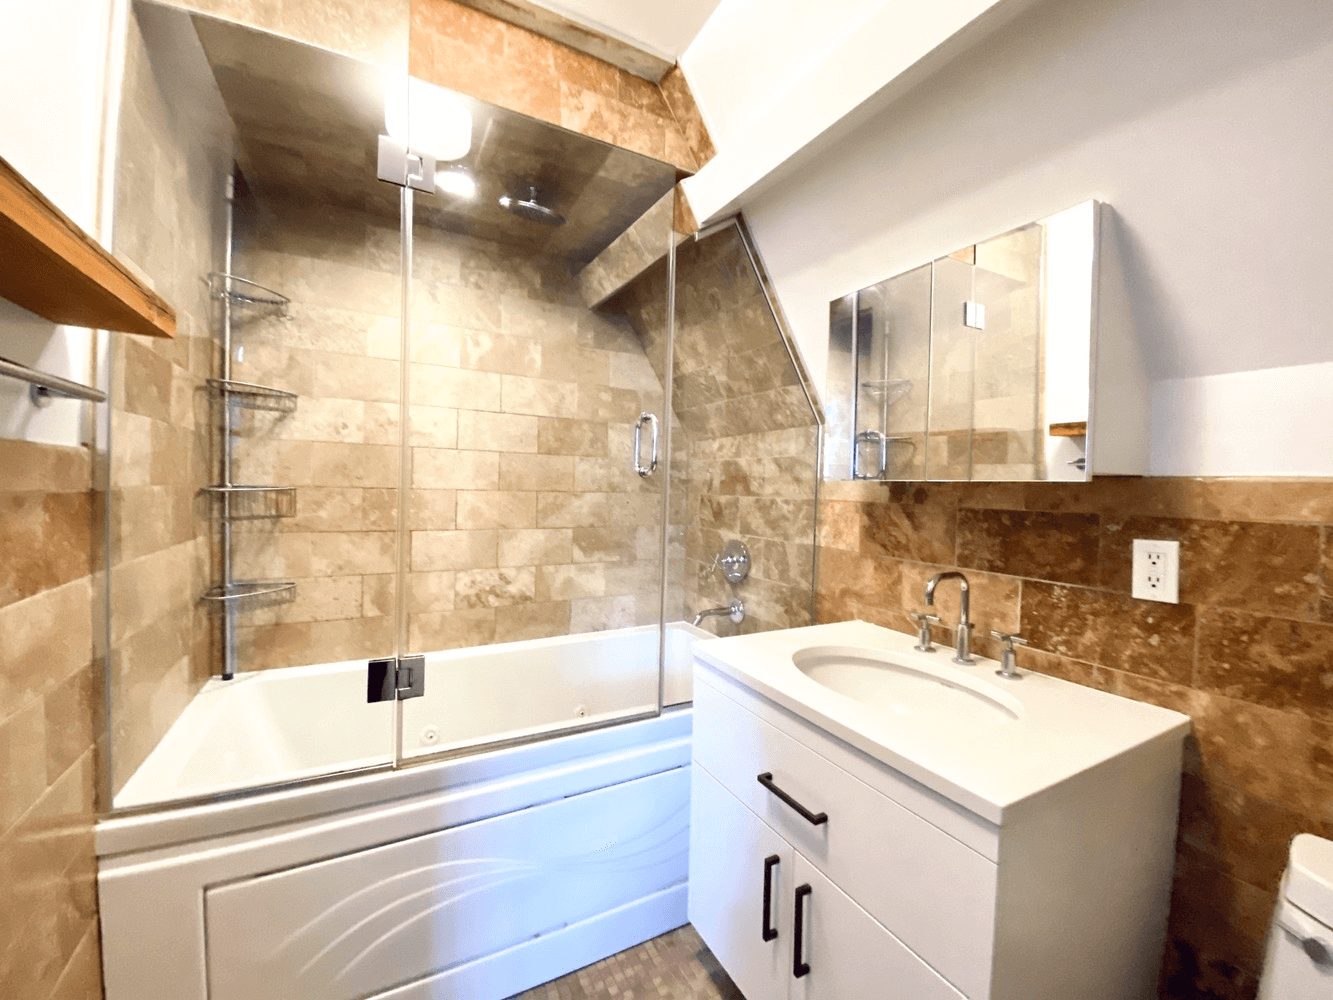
point(1157, 570)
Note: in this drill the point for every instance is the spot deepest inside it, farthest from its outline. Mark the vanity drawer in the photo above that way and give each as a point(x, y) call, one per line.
point(932, 892)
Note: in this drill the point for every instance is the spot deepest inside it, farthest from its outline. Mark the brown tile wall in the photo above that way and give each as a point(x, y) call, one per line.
point(1248, 653)
point(50, 720)
point(744, 441)
point(169, 225)
point(526, 518)
point(470, 51)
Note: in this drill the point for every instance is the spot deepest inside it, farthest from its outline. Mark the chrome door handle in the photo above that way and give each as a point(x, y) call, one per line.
point(645, 471)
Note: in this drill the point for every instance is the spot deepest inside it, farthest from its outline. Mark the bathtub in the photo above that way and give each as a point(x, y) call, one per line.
point(492, 863)
point(275, 727)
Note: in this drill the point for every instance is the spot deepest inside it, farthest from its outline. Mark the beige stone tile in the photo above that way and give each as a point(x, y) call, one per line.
point(633, 371)
point(536, 546)
point(438, 344)
point(23, 762)
point(44, 467)
point(322, 419)
point(572, 510)
point(596, 614)
point(496, 510)
point(495, 588)
point(577, 364)
point(452, 629)
point(322, 598)
point(428, 592)
point(604, 403)
point(446, 550)
point(561, 436)
point(550, 473)
point(605, 544)
point(606, 475)
point(486, 431)
point(82, 976)
point(460, 306)
point(147, 588)
point(444, 469)
point(539, 397)
point(501, 353)
point(73, 710)
point(562, 583)
point(433, 427)
point(532, 621)
point(378, 594)
point(457, 388)
point(352, 553)
point(46, 541)
point(432, 510)
point(323, 463)
point(550, 324)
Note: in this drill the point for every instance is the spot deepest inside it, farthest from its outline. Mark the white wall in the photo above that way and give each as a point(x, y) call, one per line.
point(775, 78)
point(1206, 124)
point(53, 61)
point(664, 29)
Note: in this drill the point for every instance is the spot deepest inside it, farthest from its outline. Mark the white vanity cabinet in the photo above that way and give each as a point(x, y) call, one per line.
point(836, 877)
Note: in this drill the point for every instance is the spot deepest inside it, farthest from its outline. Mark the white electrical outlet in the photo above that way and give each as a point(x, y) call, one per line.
point(1157, 570)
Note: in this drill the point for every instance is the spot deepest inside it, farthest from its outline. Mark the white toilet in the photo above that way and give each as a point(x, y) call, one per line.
point(1299, 963)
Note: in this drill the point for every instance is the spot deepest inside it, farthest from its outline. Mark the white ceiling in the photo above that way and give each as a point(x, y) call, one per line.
point(662, 28)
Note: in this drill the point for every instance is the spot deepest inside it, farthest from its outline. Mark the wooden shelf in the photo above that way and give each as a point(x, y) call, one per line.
point(1074, 429)
point(51, 267)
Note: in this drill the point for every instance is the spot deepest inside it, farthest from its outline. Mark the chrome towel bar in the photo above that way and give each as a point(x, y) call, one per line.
point(44, 384)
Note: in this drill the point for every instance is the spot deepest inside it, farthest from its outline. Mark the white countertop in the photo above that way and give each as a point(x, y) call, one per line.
point(1061, 729)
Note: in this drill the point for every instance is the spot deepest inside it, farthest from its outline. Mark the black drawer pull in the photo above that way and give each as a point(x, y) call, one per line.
point(766, 779)
point(770, 862)
point(798, 967)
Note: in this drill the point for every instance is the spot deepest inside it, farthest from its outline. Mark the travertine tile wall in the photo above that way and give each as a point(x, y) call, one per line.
point(50, 723)
point(1248, 653)
point(376, 32)
point(472, 52)
point(527, 519)
point(174, 156)
point(746, 444)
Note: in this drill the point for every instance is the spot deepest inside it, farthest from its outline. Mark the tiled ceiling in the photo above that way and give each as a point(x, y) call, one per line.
point(308, 122)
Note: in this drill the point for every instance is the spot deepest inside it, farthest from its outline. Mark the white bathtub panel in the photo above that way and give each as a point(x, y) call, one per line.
point(502, 975)
point(356, 925)
point(154, 869)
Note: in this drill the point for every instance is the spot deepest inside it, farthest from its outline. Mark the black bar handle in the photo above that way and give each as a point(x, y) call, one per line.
point(770, 862)
point(798, 967)
point(815, 819)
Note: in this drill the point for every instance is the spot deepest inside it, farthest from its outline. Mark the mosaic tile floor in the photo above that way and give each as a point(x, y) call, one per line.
point(675, 966)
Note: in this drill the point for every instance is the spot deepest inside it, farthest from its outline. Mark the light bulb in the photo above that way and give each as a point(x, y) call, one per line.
point(457, 182)
point(428, 119)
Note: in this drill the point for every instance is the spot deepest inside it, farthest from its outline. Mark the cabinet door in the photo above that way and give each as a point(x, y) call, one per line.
point(844, 952)
point(732, 861)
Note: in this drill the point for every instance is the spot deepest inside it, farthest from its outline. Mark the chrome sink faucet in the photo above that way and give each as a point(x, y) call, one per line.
point(964, 652)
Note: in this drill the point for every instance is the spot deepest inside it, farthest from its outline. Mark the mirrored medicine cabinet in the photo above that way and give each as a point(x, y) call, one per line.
point(1007, 360)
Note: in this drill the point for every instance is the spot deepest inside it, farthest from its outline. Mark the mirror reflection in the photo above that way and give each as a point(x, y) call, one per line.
point(974, 367)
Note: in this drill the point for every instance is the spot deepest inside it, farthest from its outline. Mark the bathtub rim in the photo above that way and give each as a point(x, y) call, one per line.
point(178, 822)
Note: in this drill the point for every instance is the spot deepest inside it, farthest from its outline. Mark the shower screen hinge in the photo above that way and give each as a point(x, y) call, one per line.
point(974, 315)
point(405, 167)
point(396, 679)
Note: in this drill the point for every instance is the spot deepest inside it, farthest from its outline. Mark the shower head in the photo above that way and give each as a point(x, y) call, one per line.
point(532, 209)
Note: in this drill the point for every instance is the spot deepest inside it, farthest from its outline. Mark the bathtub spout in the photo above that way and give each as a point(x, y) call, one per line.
point(735, 611)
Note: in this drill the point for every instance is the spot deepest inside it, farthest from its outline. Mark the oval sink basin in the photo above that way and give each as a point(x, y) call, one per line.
point(910, 690)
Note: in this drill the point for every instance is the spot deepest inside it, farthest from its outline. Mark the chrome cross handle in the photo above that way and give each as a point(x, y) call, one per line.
point(1007, 669)
point(923, 623)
